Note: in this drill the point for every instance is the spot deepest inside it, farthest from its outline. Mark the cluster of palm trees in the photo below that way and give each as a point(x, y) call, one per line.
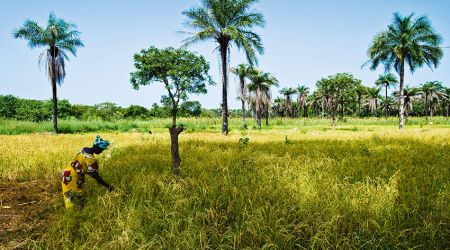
point(255, 89)
point(406, 43)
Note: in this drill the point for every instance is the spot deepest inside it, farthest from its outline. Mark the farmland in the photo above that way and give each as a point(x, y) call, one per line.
point(297, 184)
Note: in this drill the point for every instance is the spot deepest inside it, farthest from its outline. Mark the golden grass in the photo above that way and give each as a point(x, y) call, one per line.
point(352, 187)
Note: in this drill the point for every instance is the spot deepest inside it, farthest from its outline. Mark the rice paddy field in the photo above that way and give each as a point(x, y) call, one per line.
point(296, 184)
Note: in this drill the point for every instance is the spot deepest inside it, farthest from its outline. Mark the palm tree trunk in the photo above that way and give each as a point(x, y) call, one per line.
point(385, 101)
point(223, 54)
point(54, 99)
point(305, 111)
point(359, 106)
point(267, 115)
point(446, 112)
point(243, 102)
point(334, 115)
point(258, 118)
point(174, 132)
point(401, 107)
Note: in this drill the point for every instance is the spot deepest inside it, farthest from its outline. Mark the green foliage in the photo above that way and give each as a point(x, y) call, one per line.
point(190, 109)
point(8, 105)
point(180, 71)
point(227, 22)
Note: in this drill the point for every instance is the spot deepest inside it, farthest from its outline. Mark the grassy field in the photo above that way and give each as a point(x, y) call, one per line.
point(12, 127)
point(291, 186)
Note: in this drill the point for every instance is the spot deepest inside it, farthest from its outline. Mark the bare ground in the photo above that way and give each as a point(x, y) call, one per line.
point(26, 210)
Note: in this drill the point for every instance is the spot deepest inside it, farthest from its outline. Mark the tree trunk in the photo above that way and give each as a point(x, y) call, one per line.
point(223, 54)
point(267, 115)
point(401, 107)
point(385, 103)
point(334, 115)
point(258, 118)
point(54, 99)
point(176, 161)
point(359, 106)
point(243, 103)
point(305, 111)
point(446, 112)
point(406, 115)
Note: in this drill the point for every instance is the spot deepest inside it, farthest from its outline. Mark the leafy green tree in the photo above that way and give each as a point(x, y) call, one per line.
point(409, 42)
point(190, 109)
point(181, 72)
point(226, 22)
point(335, 91)
point(33, 110)
point(287, 93)
point(84, 112)
point(243, 71)
point(8, 105)
point(387, 80)
point(302, 98)
point(259, 88)
point(59, 38)
point(108, 111)
point(136, 112)
point(431, 93)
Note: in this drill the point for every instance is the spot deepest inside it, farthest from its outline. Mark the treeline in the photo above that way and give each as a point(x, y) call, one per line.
point(12, 107)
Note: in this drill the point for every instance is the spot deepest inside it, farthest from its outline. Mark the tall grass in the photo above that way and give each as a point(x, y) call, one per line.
point(12, 127)
point(284, 189)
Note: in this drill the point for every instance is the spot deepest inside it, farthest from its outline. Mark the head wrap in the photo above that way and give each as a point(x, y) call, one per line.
point(100, 143)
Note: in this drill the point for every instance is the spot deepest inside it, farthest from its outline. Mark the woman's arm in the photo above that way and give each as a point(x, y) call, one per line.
point(92, 171)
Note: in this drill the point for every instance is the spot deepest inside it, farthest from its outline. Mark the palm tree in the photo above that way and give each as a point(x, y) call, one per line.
point(226, 22)
point(361, 91)
point(410, 95)
point(447, 102)
point(431, 93)
point(386, 81)
point(59, 38)
point(386, 104)
point(243, 71)
point(288, 92)
point(259, 87)
point(407, 41)
point(373, 94)
point(303, 93)
point(278, 106)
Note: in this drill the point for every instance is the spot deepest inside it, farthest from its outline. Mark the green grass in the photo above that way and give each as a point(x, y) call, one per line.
point(345, 189)
point(12, 127)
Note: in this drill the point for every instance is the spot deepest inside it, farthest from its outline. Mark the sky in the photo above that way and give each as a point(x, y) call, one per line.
point(304, 41)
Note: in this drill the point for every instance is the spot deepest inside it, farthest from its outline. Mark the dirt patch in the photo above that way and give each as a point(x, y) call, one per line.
point(26, 210)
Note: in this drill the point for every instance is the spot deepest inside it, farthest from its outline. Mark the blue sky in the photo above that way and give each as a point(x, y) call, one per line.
point(304, 41)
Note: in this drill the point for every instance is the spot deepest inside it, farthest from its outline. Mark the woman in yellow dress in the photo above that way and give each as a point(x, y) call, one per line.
point(83, 163)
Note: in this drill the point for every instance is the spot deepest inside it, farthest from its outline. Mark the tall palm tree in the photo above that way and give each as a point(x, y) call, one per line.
point(387, 80)
point(259, 87)
point(226, 22)
point(302, 97)
point(288, 92)
point(431, 93)
point(59, 38)
point(360, 91)
point(243, 71)
point(410, 94)
point(373, 94)
point(409, 42)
